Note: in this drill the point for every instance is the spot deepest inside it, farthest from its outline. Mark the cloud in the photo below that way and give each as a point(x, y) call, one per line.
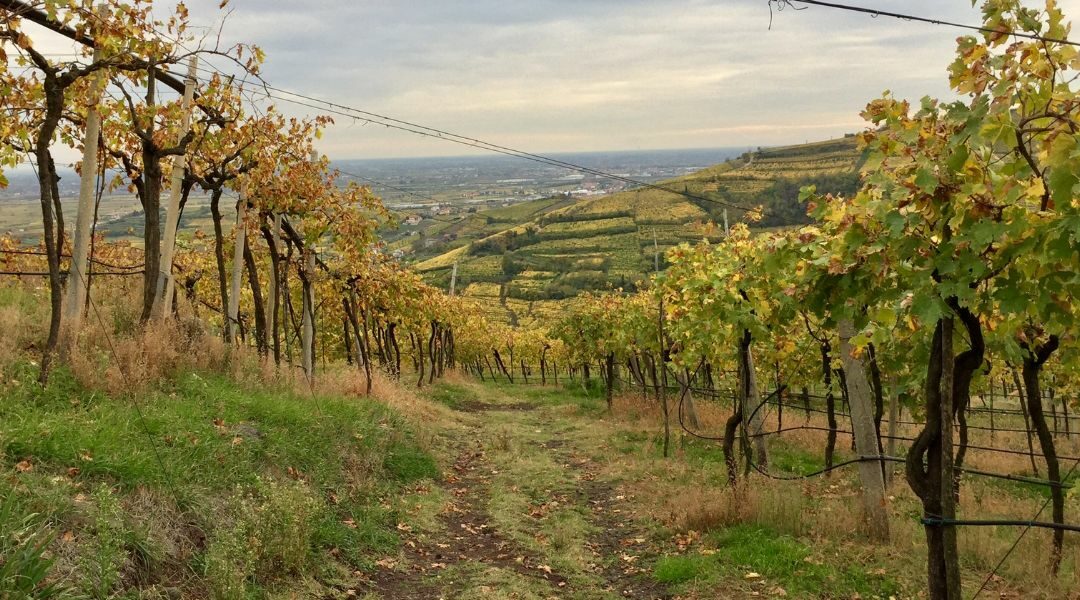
point(554, 75)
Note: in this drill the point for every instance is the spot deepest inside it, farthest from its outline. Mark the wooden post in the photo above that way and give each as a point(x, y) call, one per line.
point(79, 280)
point(861, 400)
point(166, 286)
point(894, 423)
point(453, 280)
point(753, 411)
point(237, 266)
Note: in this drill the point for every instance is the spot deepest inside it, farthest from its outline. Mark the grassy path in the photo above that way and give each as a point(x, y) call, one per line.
point(525, 512)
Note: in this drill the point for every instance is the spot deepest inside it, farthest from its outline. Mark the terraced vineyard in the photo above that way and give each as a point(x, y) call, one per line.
point(548, 250)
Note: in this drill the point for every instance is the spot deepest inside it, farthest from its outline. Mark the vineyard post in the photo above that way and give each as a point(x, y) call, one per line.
point(1048, 395)
point(233, 315)
point(1065, 413)
point(165, 282)
point(865, 434)
point(453, 279)
point(79, 281)
point(753, 417)
point(894, 425)
point(990, 394)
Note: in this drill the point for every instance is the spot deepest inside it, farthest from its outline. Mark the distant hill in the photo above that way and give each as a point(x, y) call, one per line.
point(520, 261)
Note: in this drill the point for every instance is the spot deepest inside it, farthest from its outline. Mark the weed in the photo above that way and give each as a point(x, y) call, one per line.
point(104, 557)
point(502, 441)
point(270, 538)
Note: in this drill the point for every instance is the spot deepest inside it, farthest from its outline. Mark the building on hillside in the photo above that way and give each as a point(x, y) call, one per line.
point(413, 220)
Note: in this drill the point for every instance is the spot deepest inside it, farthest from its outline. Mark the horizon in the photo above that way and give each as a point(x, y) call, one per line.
point(25, 167)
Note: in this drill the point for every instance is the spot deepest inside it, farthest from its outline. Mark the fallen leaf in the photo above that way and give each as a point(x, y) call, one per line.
point(24, 466)
point(752, 576)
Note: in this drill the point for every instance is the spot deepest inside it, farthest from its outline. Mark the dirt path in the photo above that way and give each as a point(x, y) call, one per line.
point(617, 540)
point(526, 517)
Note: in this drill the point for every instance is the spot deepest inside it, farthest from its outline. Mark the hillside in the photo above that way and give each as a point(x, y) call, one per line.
point(520, 261)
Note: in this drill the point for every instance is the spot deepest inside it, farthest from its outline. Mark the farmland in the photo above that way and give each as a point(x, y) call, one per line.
point(551, 249)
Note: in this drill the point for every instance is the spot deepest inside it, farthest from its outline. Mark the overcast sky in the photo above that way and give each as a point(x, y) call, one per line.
point(580, 75)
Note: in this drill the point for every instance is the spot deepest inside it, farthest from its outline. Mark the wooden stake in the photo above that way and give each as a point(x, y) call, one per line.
point(238, 262)
point(861, 401)
point(80, 259)
point(166, 284)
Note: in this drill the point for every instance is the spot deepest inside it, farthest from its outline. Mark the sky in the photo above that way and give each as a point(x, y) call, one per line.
point(591, 75)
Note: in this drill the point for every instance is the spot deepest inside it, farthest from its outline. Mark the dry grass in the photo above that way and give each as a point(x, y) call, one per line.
point(123, 363)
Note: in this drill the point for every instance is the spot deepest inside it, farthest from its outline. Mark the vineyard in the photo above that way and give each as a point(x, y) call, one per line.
point(660, 220)
point(864, 385)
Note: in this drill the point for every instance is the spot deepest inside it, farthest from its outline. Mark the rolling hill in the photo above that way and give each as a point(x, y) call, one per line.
point(521, 261)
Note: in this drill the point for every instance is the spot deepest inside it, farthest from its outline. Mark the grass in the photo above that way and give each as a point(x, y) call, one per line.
point(241, 486)
point(449, 394)
point(771, 563)
point(210, 433)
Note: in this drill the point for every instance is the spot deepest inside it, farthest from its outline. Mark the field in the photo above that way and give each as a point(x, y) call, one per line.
point(120, 217)
point(547, 250)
